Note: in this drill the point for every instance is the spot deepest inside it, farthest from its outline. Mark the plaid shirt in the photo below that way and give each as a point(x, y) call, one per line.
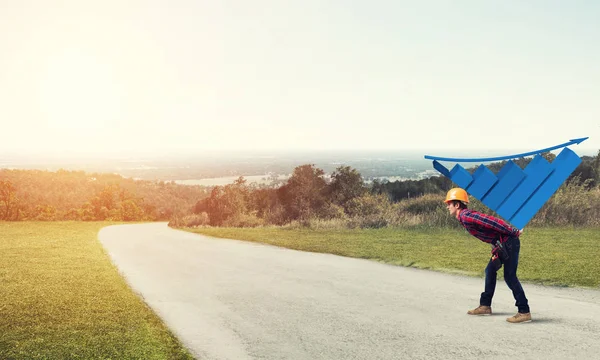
point(486, 228)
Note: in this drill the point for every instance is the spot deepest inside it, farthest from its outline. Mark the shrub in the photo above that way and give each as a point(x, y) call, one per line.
point(243, 220)
point(571, 205)
point(369, 205)
point(425, 204)
point(372, 211)
point(332, 211)
point(193, 220)
point(276, 216)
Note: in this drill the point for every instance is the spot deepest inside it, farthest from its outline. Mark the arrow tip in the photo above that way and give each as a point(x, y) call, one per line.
point(580, 140)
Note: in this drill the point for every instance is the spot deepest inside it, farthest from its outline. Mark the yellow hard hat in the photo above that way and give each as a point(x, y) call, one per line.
point(457, 194)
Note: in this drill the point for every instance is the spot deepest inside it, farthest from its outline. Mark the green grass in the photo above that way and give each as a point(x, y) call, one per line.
point(549, 256)
point(61, 298)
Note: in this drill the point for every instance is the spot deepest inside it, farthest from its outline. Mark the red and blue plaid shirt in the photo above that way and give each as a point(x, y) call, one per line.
point(485, 227)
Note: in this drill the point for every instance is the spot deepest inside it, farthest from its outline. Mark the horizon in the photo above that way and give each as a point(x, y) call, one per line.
point(271, 153)
point(262, 154)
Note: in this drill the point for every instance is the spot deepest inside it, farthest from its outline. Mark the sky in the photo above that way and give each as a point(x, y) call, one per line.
point(119, 77)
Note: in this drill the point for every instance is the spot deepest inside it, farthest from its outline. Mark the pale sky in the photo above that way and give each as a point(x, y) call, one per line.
point(189, 76)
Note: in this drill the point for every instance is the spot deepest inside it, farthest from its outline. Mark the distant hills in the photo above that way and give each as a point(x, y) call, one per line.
point(371, 164)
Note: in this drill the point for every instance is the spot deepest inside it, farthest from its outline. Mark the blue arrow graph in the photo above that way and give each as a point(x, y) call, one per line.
point(508, 157)
point(514, 194)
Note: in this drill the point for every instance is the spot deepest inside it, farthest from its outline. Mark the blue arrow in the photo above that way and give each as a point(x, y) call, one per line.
point(570, 142)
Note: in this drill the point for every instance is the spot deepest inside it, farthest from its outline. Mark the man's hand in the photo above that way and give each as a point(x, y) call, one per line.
point(496, 262)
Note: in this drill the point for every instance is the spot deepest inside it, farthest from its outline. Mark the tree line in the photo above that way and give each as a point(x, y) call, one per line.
point(76, 195)
point(309, 196)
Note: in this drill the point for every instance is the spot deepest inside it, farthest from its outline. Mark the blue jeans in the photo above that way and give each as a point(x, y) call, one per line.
point(512, 245)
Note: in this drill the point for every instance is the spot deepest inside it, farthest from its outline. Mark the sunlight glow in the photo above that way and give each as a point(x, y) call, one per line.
point(79, 95)
point(150, 77)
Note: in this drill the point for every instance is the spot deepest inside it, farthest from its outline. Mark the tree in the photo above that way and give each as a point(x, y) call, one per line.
point(8, 201)
point(107, 196)
point(548, 156)
point(130, 211)
point(303, 194)
point(225, 202)
point(263, 201)
point(346, 184)
point(596, 167)
point(45, 213)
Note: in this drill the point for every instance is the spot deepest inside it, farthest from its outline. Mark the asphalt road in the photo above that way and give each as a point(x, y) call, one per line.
point(228, 299)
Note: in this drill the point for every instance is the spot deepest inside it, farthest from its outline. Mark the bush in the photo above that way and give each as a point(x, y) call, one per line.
point(425, 204)
point(243, 220)
point(277, 216)
point(332, 211)
point(369, 205)
point(571, 205)
point(193, 220)
point(372, 211)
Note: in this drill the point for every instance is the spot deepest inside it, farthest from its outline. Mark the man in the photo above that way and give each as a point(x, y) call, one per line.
point(505, 251)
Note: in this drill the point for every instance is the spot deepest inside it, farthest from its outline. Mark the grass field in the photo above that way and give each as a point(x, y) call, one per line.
point(550, 256)
point(61, 298)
